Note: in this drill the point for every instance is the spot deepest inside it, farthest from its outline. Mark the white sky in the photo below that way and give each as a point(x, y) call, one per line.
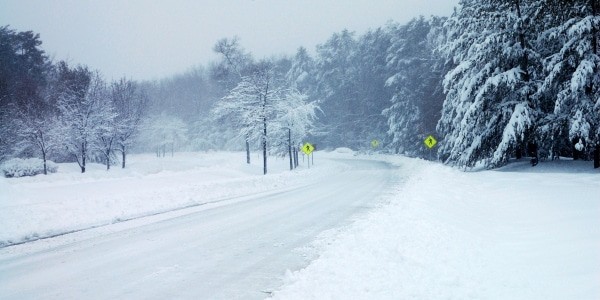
point(152, 39)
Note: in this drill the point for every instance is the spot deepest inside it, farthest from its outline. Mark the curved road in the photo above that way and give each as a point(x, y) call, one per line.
point(240, 250)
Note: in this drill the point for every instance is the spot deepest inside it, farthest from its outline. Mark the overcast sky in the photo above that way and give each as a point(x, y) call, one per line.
point(153, 39)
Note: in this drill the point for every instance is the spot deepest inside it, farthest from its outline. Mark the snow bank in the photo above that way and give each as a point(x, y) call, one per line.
point(452, 235)
point(67, 201)
point(343, 150)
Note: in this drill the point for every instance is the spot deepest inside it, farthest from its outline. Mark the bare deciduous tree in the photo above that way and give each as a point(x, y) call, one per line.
point(83, 119)
point(130, 104)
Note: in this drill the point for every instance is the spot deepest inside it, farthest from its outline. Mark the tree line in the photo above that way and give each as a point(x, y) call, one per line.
point(67, 113)
point(521, 74)
point(493, 81)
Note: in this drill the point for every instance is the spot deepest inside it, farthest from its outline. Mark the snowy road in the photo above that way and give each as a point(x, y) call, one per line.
point(240, 249)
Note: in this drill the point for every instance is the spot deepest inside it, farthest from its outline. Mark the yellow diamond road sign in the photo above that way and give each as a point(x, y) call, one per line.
point(308, 148)
point(374, 143)
point(430, 141)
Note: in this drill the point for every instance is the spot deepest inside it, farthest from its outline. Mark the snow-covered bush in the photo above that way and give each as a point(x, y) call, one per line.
point(18, 167)
point(343, 150)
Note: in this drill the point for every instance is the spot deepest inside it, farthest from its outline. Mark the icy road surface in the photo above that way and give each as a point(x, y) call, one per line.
point(240, 248)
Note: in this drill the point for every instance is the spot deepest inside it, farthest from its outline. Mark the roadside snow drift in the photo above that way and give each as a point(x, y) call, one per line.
point(516, 233)
point(68, 201)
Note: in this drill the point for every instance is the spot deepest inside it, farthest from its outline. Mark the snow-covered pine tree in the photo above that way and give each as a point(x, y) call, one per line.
point(371, 94)
point(416, 100)
point(350, 73)
point(571, 89)
point(336, 90)
point(488, 110)
point(24, 69)
point(301, 74)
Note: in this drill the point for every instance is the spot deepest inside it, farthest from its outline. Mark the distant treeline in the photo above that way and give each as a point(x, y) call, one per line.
point(490, 82)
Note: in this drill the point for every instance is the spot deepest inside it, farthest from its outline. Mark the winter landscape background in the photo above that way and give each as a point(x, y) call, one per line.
point(203, 170)
point(487, 81)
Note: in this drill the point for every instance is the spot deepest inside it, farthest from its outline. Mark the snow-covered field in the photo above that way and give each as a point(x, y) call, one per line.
point(237, 247)
point(44, 206)
point(514, 233)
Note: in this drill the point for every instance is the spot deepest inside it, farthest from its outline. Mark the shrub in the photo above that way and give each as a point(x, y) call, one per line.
point(18, 167)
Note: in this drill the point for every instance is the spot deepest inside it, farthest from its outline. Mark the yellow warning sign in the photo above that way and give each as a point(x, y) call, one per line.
point(374, 143)
point(308, 148)
point(430, 142)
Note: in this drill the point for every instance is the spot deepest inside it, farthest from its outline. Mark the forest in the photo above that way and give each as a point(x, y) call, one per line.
point(494, 81)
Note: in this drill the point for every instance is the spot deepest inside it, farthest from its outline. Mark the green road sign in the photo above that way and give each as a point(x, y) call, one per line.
point(430, 142)
point(374, 143)
point(308, 148)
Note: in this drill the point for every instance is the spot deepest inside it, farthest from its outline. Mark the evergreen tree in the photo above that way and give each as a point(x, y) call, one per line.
point(416, 99)
point(336, 91)
point(371, 94)
point(23, 70)
point(350, 75)
point(570, 90)
point(488, 108)
point(301, 74)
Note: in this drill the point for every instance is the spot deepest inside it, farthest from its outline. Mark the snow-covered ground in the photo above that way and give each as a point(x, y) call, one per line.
point(44, 206)
point(236, 247)
point(217, 228)
point(515, 233)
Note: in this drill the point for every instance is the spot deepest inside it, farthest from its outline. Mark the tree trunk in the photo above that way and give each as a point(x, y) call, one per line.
point(597, 157)
point(83, 155)
point(574, 148)
point(247, 151)
point(44, 158)
point(524, 64)
point(264, 145)
point(290, 148)
point(123, 153)
point(295, 157)
point(107, 160)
